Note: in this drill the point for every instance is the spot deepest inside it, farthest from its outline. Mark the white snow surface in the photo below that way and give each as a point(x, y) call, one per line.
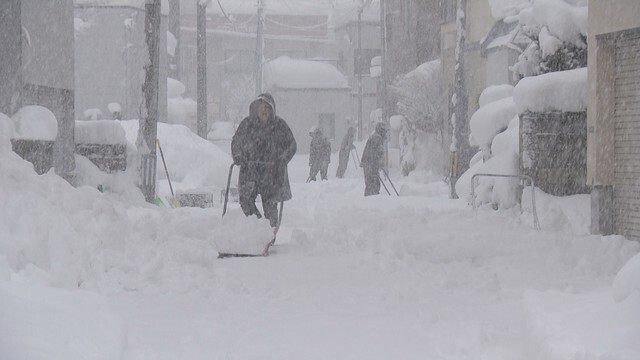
point(495, 93)
point(35, 122)
point(99, 132)
point(7, 127)
point(285, 72)
point(85, 275)
point(627, 282)
point(555, 91)
point(491, 119)
point(565, 21)
point(501, 9)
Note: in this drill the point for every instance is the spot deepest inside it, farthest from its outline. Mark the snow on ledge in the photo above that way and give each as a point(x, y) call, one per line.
point(102, 132)
point(557, 91)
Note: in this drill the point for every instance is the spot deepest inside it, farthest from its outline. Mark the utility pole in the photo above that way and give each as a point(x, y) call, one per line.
point(201, 45)
point(359, 62)
point(259, 47)
point(148, 130)
point(459, 100)
point(174, 29)
point(10, 56)
point(383, 60)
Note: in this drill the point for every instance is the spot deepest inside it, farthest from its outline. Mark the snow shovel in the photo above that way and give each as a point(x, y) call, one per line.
point(357, 157)
point(174, 202)
point(383, 184)
point(265, 252)
point(390, 182)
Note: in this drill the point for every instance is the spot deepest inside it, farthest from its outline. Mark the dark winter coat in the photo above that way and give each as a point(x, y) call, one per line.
point(320, 150)
point(263, 149)
point(373, 154)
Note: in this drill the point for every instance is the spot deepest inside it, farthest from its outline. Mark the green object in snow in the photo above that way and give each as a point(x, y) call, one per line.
point(158, 201)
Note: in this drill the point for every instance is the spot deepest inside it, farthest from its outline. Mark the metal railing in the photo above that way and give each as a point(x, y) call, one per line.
point(536, 223)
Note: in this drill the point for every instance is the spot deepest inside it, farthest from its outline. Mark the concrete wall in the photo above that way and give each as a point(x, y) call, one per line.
point(604, 17)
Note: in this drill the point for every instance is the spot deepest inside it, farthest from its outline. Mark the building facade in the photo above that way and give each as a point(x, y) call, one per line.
point(110, 55)
point(37, 65)
point(613, 117)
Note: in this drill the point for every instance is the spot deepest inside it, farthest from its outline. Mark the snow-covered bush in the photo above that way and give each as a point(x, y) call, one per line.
point(558, 33)
point(422, 125)
point(180, 110)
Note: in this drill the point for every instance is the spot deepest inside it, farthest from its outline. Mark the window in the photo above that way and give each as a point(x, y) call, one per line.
point(327, 123)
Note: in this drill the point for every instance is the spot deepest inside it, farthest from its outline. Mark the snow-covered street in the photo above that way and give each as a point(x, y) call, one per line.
point(382, 277)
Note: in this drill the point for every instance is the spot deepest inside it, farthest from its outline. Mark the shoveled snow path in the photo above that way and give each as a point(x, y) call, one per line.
point(365, 278)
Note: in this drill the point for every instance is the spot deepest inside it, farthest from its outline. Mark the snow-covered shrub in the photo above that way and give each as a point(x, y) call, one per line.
point(422, 128)
point(558, 33)
point(180, 110)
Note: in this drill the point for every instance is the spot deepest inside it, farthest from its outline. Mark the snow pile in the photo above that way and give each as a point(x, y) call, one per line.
point(194, 164)
point(7, 127)
point(99, 132)
point(285, 72)
point(239, 234)
point(180, 110)
point(581, 326)
point(556, 91)
point(627, 282)
point(490, 120)
point(495, 129)
point(564, 21)
point(495, 93)
point(35, 122)
point(505, 9)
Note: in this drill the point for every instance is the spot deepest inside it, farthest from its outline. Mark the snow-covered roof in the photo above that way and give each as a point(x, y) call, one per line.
point(130, 3)
point(285, 72)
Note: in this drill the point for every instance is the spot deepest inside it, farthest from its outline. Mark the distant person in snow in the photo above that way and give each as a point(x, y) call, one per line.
point(319, 154)
point(373, 160)
point(345, 151)
point(262, 146)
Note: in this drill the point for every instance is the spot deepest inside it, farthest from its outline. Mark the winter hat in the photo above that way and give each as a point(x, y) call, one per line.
point(314, 129)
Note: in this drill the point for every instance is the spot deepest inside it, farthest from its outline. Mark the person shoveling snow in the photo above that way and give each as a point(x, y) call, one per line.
point(262, 147)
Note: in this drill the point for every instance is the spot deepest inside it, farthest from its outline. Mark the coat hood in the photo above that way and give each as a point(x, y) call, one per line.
point(265, 97)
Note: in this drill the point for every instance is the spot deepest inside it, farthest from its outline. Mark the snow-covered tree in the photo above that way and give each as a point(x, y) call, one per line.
point(422, 125)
